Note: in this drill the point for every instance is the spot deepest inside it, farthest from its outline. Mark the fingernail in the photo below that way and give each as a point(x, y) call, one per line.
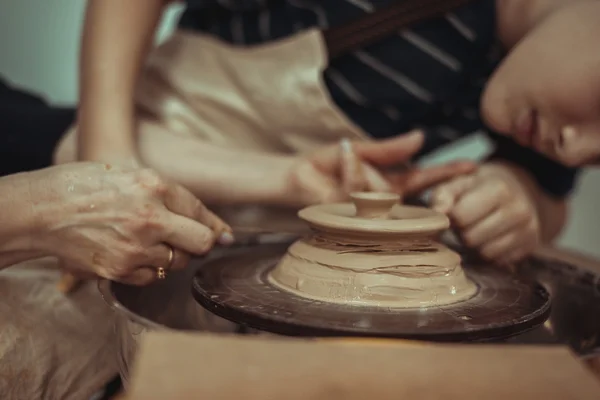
point(226, 239)
point(346, 145)
point(567, 134)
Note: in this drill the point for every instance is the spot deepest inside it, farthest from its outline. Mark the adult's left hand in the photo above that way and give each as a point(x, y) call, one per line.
point(492, 211)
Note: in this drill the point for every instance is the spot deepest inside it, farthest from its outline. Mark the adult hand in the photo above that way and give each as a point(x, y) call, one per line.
point(493, 212)
point(120, 223)
point(331, 174)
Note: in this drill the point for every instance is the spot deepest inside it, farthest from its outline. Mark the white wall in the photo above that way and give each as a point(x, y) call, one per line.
point(39, 41)
point(39, 50)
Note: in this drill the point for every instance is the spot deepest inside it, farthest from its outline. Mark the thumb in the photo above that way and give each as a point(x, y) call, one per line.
point(389, 152)
point(446, 195)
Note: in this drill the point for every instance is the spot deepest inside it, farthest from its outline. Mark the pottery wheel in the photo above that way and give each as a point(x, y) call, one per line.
point(372, 267)
point(236, 287)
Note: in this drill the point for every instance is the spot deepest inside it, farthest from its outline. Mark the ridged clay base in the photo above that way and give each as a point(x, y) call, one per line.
point(404, 278)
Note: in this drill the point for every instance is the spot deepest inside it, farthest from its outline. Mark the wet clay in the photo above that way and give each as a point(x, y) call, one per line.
point(373, 252)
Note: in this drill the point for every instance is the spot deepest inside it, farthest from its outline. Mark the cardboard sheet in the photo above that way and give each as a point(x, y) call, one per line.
point(196, 366)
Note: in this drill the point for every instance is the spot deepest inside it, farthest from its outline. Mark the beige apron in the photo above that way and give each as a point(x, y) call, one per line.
point(265, 98)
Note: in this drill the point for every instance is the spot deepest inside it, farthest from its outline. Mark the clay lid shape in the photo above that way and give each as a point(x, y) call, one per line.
point(376, 213)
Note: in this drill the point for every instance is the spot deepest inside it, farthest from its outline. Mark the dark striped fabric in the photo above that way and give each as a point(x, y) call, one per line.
point(428, 76)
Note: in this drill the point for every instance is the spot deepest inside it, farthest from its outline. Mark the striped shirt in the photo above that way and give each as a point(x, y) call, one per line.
point(429, 76)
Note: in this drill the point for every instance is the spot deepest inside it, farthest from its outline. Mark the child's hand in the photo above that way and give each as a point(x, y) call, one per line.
point(333, 172)
point(546, 93)
point(493, 212)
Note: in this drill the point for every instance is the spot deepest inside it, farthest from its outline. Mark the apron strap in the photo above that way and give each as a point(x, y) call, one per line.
point(384, 22)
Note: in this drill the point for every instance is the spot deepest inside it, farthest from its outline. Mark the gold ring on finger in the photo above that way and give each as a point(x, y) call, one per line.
point(161, 272)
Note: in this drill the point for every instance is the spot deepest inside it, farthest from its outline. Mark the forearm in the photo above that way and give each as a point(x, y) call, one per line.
point(552, 212)
point(219, 175)
point(19, 219)
point(242, 178)
point(117, 37)
point(515, 18)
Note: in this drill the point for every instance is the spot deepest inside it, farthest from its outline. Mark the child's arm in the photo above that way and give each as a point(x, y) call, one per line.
point(117, 37)
point(517, 17)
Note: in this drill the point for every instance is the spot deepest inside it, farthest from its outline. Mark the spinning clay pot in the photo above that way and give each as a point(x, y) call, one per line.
point(373, 252)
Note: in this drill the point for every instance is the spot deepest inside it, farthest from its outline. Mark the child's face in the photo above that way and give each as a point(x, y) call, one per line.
point(546, 93)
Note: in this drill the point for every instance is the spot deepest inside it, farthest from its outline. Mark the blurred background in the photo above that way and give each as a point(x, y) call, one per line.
point(39, 50)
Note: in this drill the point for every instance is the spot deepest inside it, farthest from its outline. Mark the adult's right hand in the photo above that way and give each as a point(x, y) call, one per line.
point(332, 173)
point(120, 223)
